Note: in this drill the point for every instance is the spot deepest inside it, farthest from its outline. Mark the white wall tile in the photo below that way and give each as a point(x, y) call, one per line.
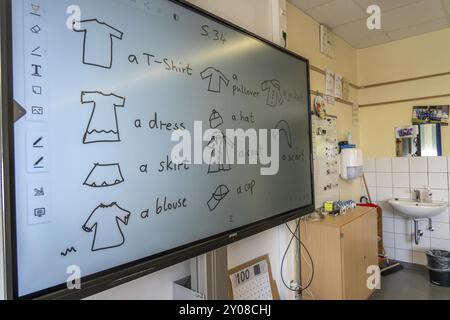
point(369, 165)
point(441, 231)
point(371, 179)
point(389, 239)
point(383, 164)
point(404, 255)
point(438, 180)
point(390, 252)
point(402, 193)
point(419, 180)
point(384, 180)
point(388, 211)
point(418, 164)
point(388, 225)
point(384, 194)
point(400, 165)
point(437, 164)
point(443, 217)
point(402, 226)
point(440, 244)
point(424, 245)
point(373, 193)
point(440, 195)
point(403, 241)
point(400, 180)
point(420, 258)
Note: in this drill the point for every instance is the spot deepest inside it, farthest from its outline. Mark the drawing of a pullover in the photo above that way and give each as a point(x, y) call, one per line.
point(216, 77)
point(274, 96)
point(106, 221)
point(103, 125)
point(98, 42)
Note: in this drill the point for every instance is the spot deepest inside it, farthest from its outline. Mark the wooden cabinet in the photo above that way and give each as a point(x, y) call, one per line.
point(342, 249)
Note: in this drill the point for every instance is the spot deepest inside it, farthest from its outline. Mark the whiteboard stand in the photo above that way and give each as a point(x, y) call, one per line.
point(217, 266)
point(182, 291)
point(199, 278)
point(208, 279)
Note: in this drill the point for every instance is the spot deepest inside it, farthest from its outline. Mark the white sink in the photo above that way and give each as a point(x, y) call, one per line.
point(418, 210)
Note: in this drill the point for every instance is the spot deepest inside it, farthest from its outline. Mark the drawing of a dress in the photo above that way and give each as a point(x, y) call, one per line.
point(103, 125)
point(104, 175)
point(219, 157)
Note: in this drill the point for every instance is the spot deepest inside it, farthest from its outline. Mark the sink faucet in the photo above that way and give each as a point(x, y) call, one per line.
point(418, 195)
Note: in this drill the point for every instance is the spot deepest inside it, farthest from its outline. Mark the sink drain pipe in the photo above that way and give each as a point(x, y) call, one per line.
point(419, 233)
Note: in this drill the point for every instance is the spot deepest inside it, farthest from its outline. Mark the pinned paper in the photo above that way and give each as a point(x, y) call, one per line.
point(338, 88)
point(330, 84)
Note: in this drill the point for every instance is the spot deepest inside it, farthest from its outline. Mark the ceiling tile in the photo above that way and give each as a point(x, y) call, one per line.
point(354, 31)
point(308, 4)
point(385, 5)
point(415, 14)
point(447, 6)
point(419, 29)
point(337, 12)
point(375, 40)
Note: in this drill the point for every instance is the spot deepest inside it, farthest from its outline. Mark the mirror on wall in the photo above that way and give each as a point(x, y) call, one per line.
point(429, 142)
point(423, 140)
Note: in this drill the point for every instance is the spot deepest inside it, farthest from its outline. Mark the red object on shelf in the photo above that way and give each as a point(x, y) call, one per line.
point(370, 205)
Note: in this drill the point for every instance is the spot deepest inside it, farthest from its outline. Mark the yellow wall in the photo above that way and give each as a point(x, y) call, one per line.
point(414, 57)
point(303, 38)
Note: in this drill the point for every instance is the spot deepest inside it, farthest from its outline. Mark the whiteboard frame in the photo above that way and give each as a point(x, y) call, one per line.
point(111, 278)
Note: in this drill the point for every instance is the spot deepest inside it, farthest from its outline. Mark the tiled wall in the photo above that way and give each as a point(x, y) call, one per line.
point(390, 178)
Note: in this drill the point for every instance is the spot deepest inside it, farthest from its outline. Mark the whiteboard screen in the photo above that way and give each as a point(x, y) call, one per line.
point(105, 84)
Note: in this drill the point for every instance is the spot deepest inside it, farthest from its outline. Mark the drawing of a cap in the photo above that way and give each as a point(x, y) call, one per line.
point(221, 192)
point(215, 120)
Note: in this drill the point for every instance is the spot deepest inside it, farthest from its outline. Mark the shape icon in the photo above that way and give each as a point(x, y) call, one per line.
point(103, 125)
point(106, 222)
point(98, 43)
point(216, 78)
point(104, 175)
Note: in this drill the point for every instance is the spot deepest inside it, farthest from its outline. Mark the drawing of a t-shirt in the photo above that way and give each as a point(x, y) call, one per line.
point(103, 125)
point(105, 222)
point(98, 42)
point(216, 77)
point(274, 96)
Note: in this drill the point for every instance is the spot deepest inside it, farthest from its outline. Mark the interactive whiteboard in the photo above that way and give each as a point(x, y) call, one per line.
point(105, 84)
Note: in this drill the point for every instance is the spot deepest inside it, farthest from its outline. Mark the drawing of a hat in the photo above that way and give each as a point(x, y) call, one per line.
point(215, 120)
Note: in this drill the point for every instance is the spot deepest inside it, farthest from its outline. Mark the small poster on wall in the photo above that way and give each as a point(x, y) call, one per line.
point(338, 86)
point(431, 114)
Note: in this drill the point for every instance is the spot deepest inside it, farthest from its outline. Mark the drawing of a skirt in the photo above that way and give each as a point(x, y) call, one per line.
point(104, 175)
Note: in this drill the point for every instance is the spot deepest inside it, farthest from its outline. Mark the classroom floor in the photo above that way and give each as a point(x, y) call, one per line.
point(412, 283)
